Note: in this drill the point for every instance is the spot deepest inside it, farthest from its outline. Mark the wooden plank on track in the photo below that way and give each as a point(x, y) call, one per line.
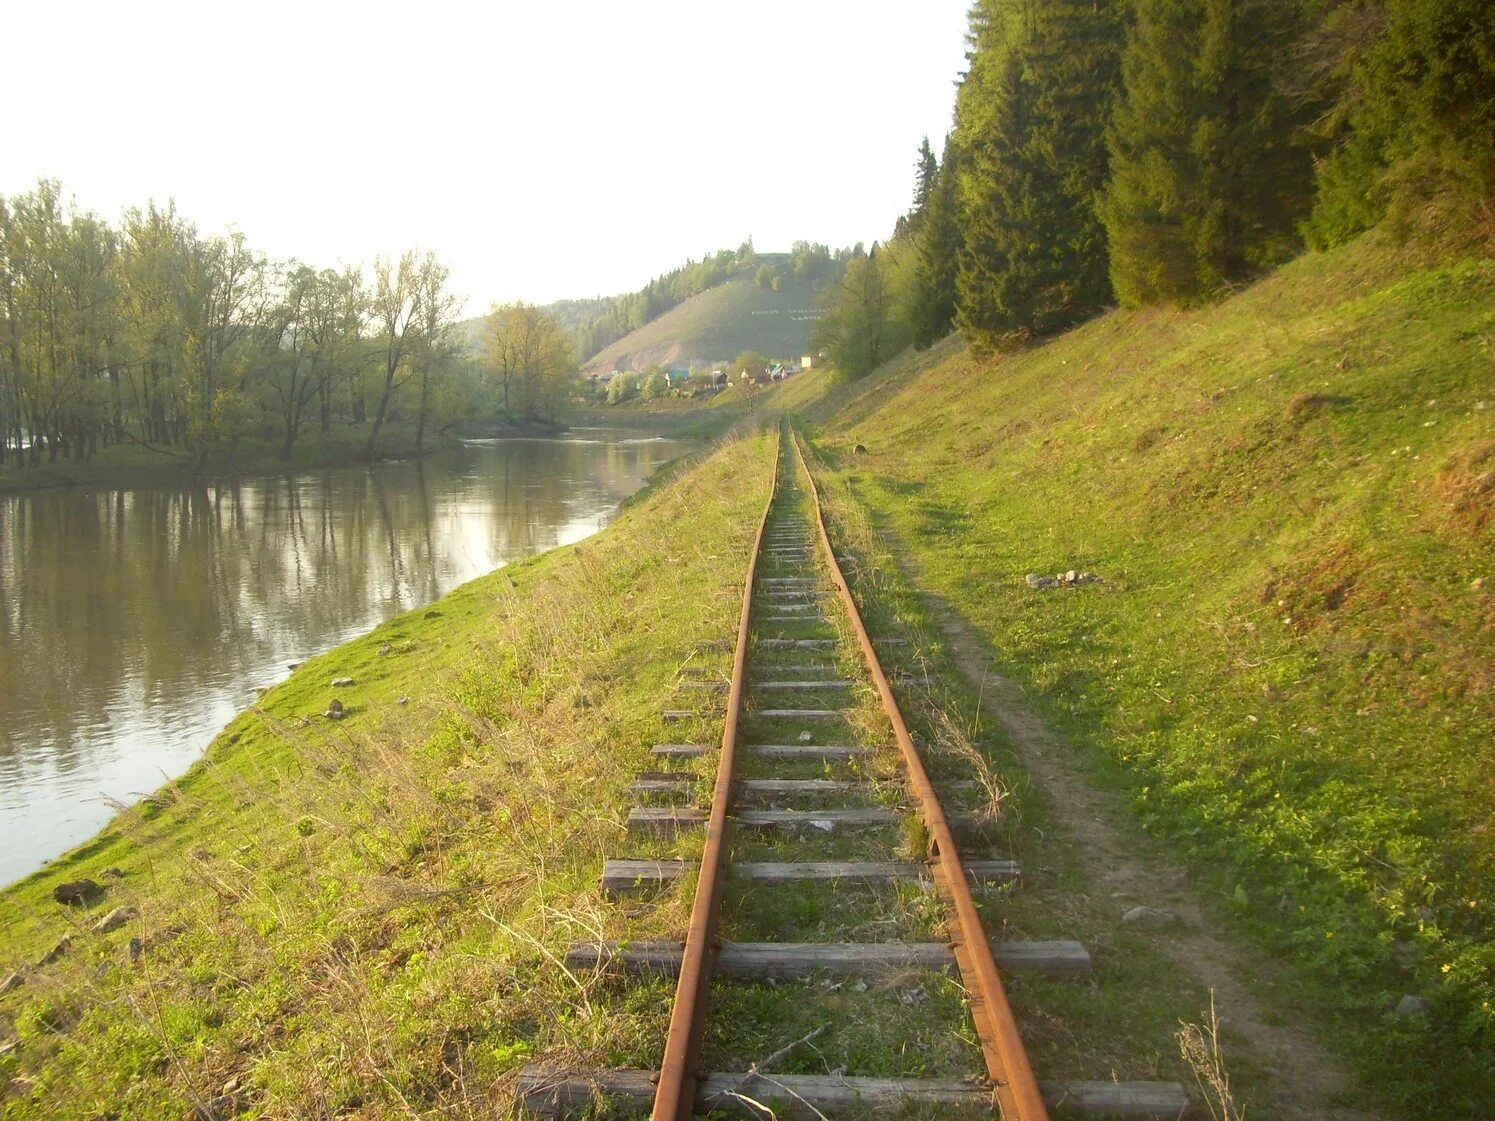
point(665, 819)
point(627, 877)
point(800, 713)
point(785, 960)
point(866, 817)
point(768, 750)
point(682, 750)
point(674, 819)
point(809, 751)
point(794, 787)
point(747, 788)
point(548, 1092)
point(630, 877)
point(823, 683)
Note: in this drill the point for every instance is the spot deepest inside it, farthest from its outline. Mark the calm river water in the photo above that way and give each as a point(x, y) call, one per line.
point(135, 623)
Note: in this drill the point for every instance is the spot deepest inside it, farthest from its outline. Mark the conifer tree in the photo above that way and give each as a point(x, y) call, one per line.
point(1031, 123)
point(937, 249)
point(1413, 119)
point(924, 175)
point(1208, 170)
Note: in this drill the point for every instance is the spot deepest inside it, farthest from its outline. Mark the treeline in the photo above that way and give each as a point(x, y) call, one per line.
point(1164, 151)
point(151, 333)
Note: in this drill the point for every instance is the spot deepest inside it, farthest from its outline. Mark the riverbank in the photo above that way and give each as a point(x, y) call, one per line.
point(126, 465)
point(139, 621)
point(312, 878)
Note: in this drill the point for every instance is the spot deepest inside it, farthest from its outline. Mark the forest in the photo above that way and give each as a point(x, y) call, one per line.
point(195, 348)
point(1165, 152)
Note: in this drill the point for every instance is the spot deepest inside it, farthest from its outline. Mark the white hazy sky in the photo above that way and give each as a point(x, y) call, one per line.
point(542, 150)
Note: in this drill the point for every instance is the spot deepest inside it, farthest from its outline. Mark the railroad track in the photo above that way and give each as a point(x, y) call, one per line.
point(790, 739)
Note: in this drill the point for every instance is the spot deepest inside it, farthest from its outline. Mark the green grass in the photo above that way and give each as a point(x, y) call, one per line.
point(1286, 673)
point(718, 325)
point(1288, 666)
point(364, 916)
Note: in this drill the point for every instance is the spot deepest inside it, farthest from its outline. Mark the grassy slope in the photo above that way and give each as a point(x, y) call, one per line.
point(718, 324)
point(360, 916)
point(1289, 664)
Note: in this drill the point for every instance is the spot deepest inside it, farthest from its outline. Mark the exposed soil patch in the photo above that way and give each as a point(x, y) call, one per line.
point(1128, 867)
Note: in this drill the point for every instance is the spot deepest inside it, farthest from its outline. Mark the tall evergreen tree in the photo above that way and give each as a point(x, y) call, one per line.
point(1414, 114)
point(937, 249)
point(925, 172)
point(1030, 121)
point(1209, 174)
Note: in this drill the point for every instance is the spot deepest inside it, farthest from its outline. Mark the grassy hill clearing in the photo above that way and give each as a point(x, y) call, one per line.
point(1289, 663)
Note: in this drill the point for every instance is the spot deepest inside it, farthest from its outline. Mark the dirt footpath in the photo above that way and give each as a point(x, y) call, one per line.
point(1126, 865)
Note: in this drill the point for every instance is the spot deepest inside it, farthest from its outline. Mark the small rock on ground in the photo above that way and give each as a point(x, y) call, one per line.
point(56, 951)
point(334, 710)
point(114, 920)
point(75, 891)
point(1149, 918)
point(341, 682)
point(1411, 1005)
point(14, 981)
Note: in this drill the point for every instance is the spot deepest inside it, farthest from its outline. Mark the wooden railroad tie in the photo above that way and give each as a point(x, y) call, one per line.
point(791, 960)
point(547, 1092)
point(633, 877)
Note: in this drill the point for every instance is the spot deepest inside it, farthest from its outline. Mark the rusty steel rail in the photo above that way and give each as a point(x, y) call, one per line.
point(679, 1072)
point(1006, 1058)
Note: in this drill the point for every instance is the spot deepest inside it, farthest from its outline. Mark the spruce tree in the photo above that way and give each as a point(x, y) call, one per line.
point(924, 175)
point(1414, 117)
point(937, 251)
point(1030, 121)
point(1209, 174)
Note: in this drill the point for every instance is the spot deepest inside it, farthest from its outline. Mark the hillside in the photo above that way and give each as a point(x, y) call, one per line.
point(720, 324)
point(1287, 671)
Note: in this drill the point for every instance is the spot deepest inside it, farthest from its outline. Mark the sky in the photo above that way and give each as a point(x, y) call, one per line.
point(543, 151)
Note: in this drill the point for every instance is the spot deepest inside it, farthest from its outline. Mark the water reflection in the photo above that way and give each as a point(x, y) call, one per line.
point(134, 624)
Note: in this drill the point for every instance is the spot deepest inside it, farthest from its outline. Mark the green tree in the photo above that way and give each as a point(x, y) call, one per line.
point(528, 355)
point(622, 387)
point(410, 308)
point(1030, 119)
point(925, 172)
point(1412, 117)
point(937, 247)
point(653, 384)
point(856, 327)
point(1208, 171)
point(749, 361)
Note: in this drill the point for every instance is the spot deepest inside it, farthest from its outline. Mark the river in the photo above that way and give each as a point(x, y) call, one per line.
point(135, 623)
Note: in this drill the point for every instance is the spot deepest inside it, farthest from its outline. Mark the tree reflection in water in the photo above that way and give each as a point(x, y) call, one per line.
point(134, 624)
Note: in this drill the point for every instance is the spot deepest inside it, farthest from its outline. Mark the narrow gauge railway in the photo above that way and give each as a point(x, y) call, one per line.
point(832, 805)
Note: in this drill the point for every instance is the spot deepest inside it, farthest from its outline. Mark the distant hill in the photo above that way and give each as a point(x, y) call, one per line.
point(720, 324)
